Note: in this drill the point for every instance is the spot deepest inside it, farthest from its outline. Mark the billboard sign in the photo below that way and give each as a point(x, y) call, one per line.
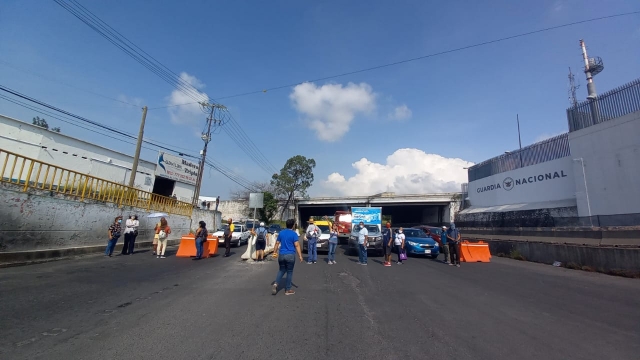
point(367, 215)
point(176, 168)
point(548, 181)
point(256, 200)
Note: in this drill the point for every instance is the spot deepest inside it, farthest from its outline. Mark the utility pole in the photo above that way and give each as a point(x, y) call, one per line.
point(136, 157)
point(591, 87)
point(519, 139)
point(206, 137)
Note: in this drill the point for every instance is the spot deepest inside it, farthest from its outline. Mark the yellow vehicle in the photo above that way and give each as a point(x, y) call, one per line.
point(323, 237)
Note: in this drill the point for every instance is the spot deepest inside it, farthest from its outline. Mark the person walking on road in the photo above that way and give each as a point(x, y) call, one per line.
point(201, 237)
point(312, 241)
point(333, 244)
point(399, 244)
point(445, 246)
point(163, 232)
point(363, 242)
point(453, 237)
point(387, 237)
point(128, 235)
point(286, 247)
point(228, 234)
point(114, 232)
point(261, 242)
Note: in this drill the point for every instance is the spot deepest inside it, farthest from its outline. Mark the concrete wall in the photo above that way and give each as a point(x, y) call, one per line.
point(234, 209)
point(36, 220)
point(548, 181)
point(212, 218)
point(610, 153)
point(603, 259)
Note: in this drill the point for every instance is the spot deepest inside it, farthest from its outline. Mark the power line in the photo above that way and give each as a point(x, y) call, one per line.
point(216, 166)
point(65, 84)
point(237, 134)
point(467, 47)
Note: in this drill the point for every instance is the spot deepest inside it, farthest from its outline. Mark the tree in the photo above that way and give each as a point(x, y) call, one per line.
point(243, 194)
point(269, 209)
point(43, 124)
point(294, 179)
point(40, 122)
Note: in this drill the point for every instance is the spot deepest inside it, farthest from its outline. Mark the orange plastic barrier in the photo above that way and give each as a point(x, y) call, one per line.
point(474, 252)
point(187, 247)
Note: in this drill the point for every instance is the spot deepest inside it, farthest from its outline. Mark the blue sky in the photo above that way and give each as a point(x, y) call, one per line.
point(416, 124)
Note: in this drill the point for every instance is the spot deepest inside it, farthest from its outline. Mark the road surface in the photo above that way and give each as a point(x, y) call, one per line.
point(140, 307)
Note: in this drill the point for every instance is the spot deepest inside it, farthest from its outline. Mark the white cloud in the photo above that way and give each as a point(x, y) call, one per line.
point(546, 136)
point(330, 109)
point(186, 114)
point(401, 112)
point(407, 171)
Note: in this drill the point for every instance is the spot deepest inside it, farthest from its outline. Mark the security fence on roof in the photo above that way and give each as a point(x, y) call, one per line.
point(553, 148)
point(609, 105)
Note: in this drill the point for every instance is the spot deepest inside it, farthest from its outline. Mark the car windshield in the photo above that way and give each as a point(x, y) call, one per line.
point(324, 229)
point(223, 228)
point(416, 233)
point(249, 225)
point(275, 227)
point(373, 229)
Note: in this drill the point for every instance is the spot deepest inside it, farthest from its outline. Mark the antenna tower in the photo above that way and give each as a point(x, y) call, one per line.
point(573, 87)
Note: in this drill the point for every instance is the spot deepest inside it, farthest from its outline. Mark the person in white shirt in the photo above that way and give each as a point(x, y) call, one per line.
point(363, 242)
point(130, 233)
point(399, 244)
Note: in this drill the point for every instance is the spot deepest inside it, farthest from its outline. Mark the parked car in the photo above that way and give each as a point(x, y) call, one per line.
point(220, 233)
point(375, 240)
point(417, 242)
point(240, 235)
point(274, 228)
point(323, 238)
point(431, 231)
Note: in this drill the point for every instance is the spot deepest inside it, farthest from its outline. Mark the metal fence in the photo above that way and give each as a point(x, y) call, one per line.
point(506, 220)
point(553, 148)
point(30, 173)
point(610, 105)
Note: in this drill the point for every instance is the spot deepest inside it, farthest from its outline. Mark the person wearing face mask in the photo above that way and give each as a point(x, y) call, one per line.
point(129, 235)
point(363, 242)
point(399, 244)
point(387, 237)
point(114, 232)
point(453, 236)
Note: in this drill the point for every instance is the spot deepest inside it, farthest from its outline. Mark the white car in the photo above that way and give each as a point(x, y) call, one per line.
point(240, 235)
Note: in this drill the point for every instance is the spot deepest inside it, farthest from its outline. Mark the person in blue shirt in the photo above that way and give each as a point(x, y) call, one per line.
point(287, 246)
point(453, 238)
point(445, 245)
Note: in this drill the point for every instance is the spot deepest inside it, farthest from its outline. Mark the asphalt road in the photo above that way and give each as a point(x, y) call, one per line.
point(140, 307)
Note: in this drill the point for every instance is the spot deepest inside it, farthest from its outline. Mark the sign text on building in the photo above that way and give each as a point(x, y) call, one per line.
point(177, 168)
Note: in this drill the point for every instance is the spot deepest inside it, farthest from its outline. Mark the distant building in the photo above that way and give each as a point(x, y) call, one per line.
point(586, 177)
point(74, 154)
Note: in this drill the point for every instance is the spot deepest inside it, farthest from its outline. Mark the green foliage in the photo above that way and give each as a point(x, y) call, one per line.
point(38, 121)
point(270, 209)
point(295, 177)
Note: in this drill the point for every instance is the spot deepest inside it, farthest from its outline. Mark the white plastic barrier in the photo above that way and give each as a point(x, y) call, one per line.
point(251, 247)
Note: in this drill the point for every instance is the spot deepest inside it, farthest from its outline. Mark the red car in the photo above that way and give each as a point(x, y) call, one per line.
point(432, 231)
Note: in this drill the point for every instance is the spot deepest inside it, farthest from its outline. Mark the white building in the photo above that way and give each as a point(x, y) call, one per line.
point(74, 154)
point(586, 177)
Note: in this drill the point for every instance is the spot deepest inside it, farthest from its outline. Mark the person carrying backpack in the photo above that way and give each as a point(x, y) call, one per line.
point(201, 237)
point(261, 242)
point(312, 240)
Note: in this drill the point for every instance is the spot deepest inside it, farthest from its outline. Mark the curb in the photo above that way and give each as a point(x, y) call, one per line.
point(20, 258)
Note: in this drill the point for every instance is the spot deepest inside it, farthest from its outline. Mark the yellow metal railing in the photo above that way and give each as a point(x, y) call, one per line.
point(31, 173)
